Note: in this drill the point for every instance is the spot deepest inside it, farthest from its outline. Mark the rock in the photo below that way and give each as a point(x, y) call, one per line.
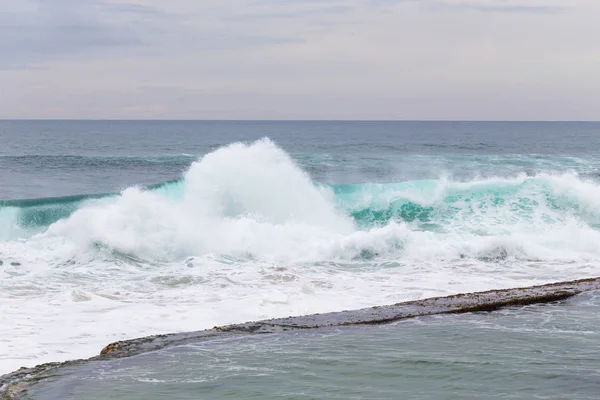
point(109, 349)
point(12, 384)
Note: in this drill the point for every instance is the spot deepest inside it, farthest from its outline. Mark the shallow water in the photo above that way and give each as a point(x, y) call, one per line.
point(542, 352)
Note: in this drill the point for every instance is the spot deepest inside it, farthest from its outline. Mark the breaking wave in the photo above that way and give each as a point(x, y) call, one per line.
point(253, 201)
point(246, 234)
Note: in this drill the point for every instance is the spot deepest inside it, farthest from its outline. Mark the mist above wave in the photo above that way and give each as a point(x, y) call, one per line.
point(253, 201)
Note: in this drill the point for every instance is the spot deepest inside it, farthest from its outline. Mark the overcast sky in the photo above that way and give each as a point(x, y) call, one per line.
point(300, 59)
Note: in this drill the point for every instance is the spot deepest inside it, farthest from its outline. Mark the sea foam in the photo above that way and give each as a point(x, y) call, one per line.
point(246, 234)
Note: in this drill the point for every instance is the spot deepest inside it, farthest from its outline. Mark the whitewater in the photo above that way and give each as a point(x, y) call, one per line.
point(246, 234)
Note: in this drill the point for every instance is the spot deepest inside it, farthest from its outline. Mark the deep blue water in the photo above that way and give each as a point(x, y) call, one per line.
point(59, 158)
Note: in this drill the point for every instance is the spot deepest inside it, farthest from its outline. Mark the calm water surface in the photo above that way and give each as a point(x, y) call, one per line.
point(536, 352)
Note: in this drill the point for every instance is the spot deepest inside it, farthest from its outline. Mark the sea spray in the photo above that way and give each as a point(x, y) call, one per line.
point(252, 200)
point(245, 234)
point(233, 201)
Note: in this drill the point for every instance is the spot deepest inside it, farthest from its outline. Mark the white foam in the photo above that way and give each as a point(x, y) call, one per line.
point(249, 236)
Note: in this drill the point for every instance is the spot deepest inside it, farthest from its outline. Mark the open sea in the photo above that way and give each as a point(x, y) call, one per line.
point(111, 230)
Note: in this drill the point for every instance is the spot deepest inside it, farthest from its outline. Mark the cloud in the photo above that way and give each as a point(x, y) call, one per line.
point(500, 6)
point(51, 29)
point(414, 59)
point(320, 11)
point(35, 31)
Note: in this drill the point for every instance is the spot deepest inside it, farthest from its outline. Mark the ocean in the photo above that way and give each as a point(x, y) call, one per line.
point(111, 230)
point(537, 352)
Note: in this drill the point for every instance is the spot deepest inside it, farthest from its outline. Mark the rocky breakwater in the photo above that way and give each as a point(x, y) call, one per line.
point(15, 385)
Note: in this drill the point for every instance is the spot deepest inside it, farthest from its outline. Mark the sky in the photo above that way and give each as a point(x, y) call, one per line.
point(293, 59)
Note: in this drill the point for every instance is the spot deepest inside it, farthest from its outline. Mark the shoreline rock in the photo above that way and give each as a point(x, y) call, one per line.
point(15, 385)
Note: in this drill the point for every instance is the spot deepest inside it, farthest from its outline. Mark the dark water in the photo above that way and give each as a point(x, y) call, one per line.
point(537, 352)
point(60, 158)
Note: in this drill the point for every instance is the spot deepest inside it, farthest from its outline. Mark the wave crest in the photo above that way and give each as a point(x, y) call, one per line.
point(253, 201)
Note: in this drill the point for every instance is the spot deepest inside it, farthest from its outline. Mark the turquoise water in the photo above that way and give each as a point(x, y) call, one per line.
point(536, 352)
point(121, 229)
point(435, 202)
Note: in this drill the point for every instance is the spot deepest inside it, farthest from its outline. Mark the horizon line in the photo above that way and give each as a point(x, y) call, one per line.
point(281, 120)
